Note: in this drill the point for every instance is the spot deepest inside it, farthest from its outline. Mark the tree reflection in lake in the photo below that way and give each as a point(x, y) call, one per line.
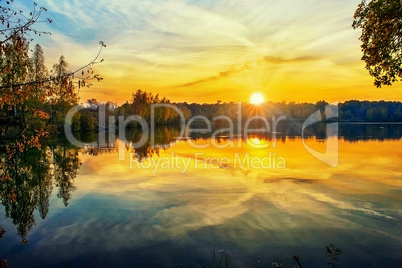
point(27, 176)
point(66, 164)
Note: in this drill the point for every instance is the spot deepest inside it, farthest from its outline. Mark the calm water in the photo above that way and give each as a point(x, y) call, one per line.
point(87, 208)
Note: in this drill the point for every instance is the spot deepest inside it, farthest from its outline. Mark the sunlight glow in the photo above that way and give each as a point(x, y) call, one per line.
point(256, 141)
point(256, 99)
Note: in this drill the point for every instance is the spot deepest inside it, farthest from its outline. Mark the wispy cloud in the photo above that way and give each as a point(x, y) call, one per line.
point(222, 74)
point(347, 206)
point(157, 44)
point(278, 60)
point(247, 66)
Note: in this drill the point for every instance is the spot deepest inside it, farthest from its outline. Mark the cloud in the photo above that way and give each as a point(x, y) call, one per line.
point(347, 206)
point(157, 44)
point(246, 66)
point(222, 74)
point(279, 60)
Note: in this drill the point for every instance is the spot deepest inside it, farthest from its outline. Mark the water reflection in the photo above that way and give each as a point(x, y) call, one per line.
point(28, 175)
point(134, 211)
point(165, 136)
point(27, 178)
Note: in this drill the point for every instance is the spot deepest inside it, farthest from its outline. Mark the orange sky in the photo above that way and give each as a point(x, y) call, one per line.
point(204, 51)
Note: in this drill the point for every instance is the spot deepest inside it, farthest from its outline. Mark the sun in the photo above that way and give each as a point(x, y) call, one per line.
point(256, 98)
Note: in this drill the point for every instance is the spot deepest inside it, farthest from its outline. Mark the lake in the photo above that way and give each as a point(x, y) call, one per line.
point(255, 202)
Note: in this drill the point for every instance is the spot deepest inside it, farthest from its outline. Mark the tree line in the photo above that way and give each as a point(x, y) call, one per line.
point(349, 111)
point(87, 119)
point(353, 110)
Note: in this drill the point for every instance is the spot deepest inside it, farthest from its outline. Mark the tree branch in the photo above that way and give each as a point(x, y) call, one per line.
point(92, 62)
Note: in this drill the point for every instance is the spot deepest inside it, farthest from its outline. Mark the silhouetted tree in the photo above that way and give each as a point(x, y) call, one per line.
point(381, 24)
point(15, 22)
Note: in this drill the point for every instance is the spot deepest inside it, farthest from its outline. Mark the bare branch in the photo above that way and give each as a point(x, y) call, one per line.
point(70, 74)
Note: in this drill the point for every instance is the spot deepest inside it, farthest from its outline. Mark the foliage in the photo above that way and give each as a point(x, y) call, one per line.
point(332, 254)
point(381, 24)
point(349, 111)
point(20, 111)
point(87, 122)
point(32, 102)
point(374, 111)
point(27, 110)
point(39, 73)
point(141, 105)
point(216, 262)
point(353, 110)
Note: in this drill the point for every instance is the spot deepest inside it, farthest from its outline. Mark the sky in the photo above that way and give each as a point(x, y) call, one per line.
point(204, 51)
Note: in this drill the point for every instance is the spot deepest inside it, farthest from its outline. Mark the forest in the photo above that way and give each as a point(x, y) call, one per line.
point(140, 104)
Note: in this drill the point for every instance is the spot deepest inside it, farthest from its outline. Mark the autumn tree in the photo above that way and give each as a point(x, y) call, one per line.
point(93, 102)
point(141, 103)
point(381, 25)
point(31, 100)
point(39, 72)
point(16, 66)
point(62, 82)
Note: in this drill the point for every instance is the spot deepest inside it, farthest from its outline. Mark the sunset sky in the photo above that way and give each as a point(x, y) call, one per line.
point(204, 51)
